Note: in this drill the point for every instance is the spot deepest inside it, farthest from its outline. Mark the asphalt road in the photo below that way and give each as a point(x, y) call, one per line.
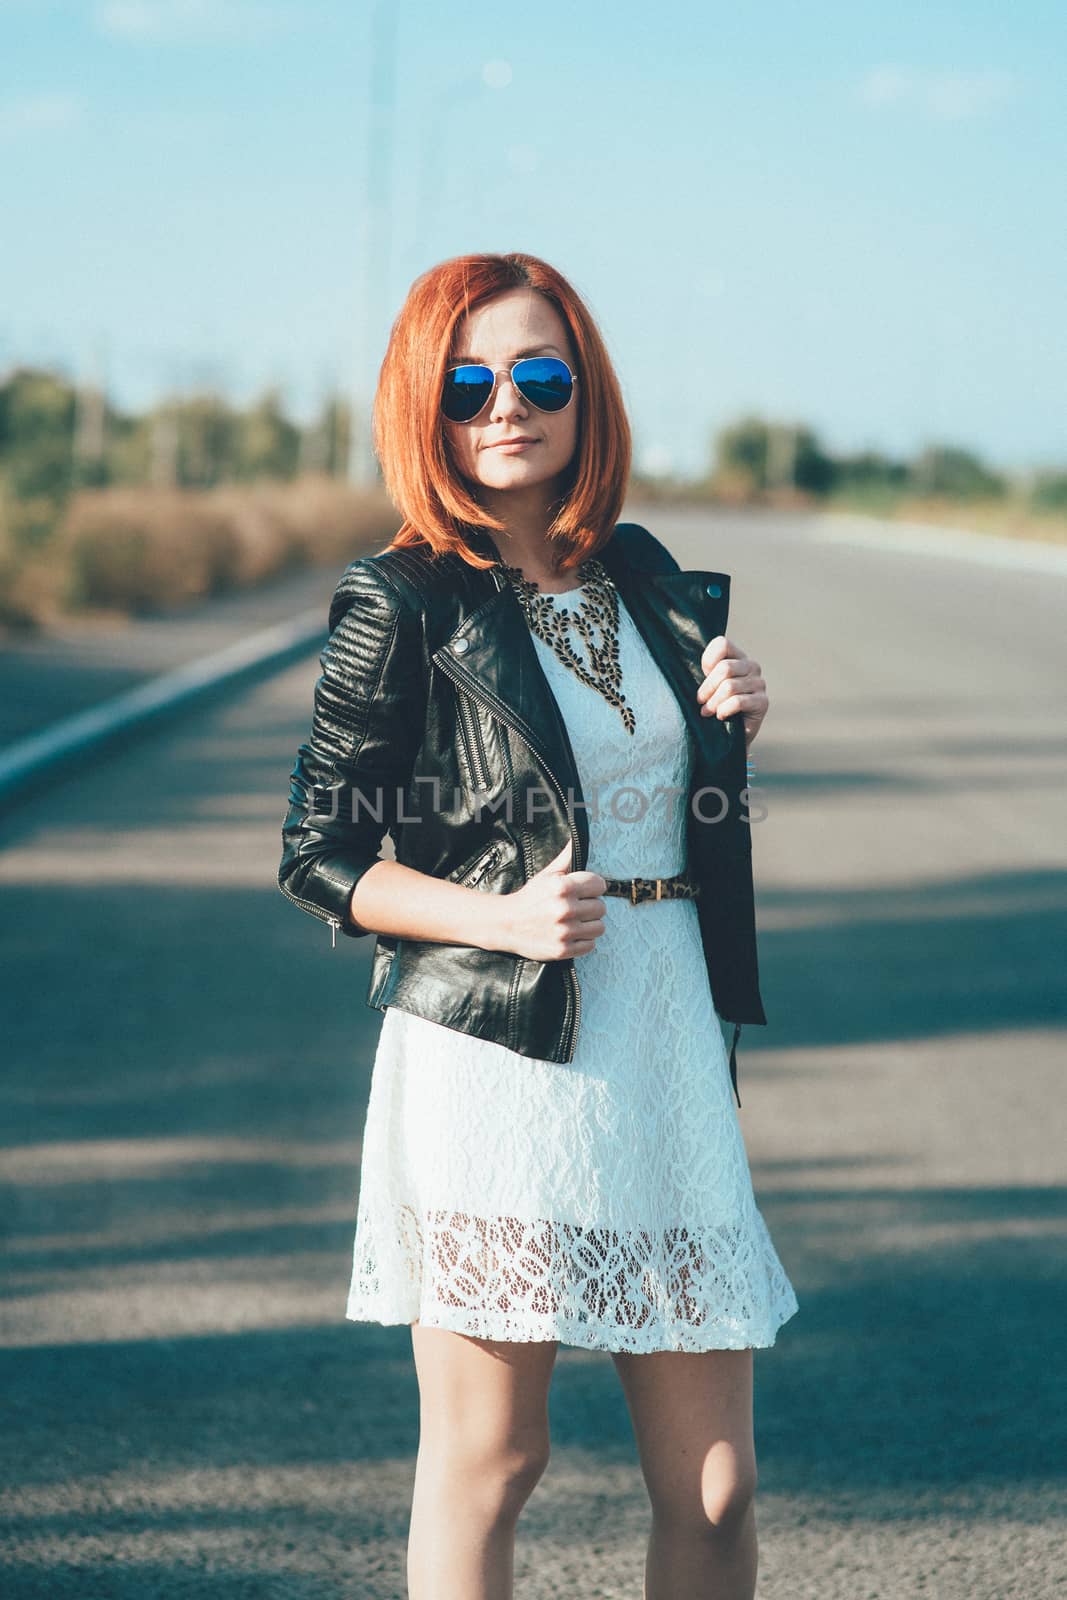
point(185, 1410)
point(83, 659)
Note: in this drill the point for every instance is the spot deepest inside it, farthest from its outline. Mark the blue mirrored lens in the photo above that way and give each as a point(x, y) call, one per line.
point(465, 393)
point(544, 381)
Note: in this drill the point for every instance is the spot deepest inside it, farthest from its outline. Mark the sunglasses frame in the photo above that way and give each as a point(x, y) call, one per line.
point(510, 371)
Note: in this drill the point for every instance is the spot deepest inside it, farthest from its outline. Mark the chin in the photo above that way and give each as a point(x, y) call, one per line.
point(514, 472)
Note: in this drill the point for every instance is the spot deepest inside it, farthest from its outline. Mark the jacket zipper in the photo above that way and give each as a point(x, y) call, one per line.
point(572, 1021)
point(472, 740)
point(479, 867)
point(316, 911)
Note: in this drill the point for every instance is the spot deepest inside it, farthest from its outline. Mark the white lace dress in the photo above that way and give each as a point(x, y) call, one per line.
point(605, 1202)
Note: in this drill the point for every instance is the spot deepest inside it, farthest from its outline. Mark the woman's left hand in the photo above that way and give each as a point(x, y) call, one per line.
point(733, 683)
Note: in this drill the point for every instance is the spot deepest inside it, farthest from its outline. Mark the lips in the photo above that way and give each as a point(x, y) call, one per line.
point(520, 438)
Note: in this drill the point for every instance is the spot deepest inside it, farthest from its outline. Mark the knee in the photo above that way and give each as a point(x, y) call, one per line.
point(713, 1509)
point(726, 1498)
point(514, 1474)
point(505, 1475)
point(499, 1475)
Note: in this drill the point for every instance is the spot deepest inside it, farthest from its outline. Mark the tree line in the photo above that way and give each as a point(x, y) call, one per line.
point(55, 437)
point(760, 456)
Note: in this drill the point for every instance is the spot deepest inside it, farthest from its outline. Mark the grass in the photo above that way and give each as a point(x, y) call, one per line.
point(1008, 518)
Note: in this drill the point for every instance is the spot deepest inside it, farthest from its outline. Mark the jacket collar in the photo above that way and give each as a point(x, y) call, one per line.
point(491, 654)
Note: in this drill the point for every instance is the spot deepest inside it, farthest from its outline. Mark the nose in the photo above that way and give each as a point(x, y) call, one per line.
point(507, 400)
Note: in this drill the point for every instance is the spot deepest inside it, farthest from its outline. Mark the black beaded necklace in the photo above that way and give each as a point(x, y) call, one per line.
point(599, 608)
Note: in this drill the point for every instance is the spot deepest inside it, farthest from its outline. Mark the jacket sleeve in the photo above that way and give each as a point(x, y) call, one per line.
point(367, 726)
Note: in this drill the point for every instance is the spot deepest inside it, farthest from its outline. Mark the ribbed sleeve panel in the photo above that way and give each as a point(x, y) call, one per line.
point(367, 724)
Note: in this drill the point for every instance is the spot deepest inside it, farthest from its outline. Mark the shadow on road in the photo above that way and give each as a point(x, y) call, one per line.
point(188, 1064)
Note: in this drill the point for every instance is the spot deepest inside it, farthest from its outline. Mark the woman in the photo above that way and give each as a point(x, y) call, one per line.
point(551, 1150)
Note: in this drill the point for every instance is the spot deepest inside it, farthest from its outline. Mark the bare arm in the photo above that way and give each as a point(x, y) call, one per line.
point(557, 913)
point(394, 899)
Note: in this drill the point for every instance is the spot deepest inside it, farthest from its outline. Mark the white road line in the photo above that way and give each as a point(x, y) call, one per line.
point(22, 761)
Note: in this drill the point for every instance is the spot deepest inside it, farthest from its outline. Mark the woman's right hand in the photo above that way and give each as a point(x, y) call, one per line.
point(558, 913)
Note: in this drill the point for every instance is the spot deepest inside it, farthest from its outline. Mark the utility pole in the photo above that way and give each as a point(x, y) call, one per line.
point(90, 418)
point(781, 456)
point(163, 466)
point(431, 180)
point(316, 444)
point(165, 439)
point(375, 240)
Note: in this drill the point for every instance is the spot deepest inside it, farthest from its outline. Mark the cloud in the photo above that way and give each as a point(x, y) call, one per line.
point(885, 85)
point(192, 21)
point(944, 96)
point(39, 113)
point(956, 95)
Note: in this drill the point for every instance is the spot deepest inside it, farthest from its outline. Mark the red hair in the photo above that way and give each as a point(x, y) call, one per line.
point(409, 436)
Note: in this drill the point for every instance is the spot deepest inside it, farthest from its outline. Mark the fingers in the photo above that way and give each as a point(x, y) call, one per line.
point(732, 686)
point(584, 908)
point(584, 895)
point(714, 651)
point(743, 670)
point(581, 946)
point(583, 919)
point(719, 651)
point(754, 704)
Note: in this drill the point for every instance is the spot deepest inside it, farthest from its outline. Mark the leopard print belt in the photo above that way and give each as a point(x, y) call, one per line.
point(637, 889)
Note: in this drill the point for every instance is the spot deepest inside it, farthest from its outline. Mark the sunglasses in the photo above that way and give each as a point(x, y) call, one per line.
point(548, 384)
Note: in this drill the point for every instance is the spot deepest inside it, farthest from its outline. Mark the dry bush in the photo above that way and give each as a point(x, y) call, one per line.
point(313, 519)
point(733, 486)
point(260, 529)
point(145, 550)
point(31, 589)
point(334, 521)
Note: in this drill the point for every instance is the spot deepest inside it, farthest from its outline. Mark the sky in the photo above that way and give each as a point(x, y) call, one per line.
point(838, 214)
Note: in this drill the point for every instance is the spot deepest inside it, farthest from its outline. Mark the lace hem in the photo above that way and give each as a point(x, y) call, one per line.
point(693, 1289)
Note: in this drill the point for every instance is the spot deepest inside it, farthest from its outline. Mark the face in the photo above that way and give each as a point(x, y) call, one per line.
point(521, 321)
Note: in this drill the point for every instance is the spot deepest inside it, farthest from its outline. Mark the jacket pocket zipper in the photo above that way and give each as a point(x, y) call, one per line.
point(316, 911)
point(473, 748)
point(478, 868)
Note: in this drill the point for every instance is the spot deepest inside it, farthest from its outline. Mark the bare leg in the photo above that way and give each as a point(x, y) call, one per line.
point(483, 1445)
point(692, 1417)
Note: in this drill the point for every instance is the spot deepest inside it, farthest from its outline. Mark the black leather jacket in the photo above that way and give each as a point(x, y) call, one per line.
point(434, 721)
